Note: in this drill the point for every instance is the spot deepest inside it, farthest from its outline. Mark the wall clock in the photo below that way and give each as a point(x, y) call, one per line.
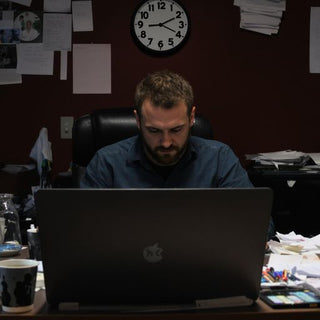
point(160, 27)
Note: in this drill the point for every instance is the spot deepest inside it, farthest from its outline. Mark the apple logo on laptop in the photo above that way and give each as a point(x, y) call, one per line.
point(152, 253)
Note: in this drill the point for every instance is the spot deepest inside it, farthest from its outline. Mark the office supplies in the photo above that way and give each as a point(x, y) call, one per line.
point(107, 247)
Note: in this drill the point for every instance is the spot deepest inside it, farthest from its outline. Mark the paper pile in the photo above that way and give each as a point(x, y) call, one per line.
point(300, 256)
point(293, 243)
point(296, 253)
point(278, 159)
point(263, 16)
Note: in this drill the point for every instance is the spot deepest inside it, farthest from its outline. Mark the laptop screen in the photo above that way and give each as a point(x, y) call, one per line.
point(152, 246)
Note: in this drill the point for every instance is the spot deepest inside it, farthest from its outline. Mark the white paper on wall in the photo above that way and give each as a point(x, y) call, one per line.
point(23, 2)
point(91, 68)
point(82, 16)
point(57, 5)
point(32, 59)
point(314, 40)
point(57, 31)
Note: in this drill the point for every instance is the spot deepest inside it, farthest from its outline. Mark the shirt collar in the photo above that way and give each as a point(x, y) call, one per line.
point(136, 154)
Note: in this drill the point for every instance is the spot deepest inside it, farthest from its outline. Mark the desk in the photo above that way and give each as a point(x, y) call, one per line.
point(19, 183)
point(259, 311)
point(273, 174)
point(296, 198)
point(256, 312)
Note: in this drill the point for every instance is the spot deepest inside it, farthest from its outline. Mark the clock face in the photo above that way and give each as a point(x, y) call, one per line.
point(160, 27)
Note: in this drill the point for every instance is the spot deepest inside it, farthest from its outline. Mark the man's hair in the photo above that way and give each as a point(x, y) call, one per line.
point(165, 89)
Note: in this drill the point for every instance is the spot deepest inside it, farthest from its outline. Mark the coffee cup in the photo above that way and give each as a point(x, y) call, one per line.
point(17, 284)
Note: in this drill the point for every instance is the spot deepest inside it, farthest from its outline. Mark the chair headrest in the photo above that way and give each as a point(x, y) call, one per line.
point(107, 126)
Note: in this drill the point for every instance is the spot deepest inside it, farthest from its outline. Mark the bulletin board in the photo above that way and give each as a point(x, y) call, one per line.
point(255, 88)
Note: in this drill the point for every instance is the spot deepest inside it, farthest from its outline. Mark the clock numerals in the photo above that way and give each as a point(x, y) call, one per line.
point(161, 5)
point(161, 43)
point(181, 24)
point(144, 15)
point(178, 14)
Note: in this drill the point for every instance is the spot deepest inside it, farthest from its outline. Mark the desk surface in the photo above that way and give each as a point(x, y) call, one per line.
point(301, 174)
point(259, 310)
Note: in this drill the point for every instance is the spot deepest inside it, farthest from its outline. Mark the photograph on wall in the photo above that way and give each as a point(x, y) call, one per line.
point(9, 36)
point(30, 25)
point(8, 56)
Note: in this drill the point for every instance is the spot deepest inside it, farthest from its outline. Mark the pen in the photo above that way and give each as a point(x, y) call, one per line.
point(267, 277)
point(285, 275)
point(271, 275)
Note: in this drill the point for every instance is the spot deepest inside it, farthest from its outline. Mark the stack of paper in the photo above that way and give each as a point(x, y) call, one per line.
point(286, 158)
point(296, 253)
point(293, 243)
point(263, 16)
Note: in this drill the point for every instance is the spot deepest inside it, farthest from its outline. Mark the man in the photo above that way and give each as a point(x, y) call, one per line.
point(165, 154)
point(29, 33)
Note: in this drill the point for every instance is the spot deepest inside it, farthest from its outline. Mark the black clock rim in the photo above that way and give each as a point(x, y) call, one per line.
point(156, 52)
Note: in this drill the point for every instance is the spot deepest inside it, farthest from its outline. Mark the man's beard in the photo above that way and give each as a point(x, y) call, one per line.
point(164, 159)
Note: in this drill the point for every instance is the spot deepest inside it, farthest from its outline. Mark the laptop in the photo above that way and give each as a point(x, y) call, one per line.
point(126, 249)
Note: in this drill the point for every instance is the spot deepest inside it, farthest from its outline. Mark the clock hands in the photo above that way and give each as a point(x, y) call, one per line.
point(168, 28)
point(167, 21)
point(162, 24)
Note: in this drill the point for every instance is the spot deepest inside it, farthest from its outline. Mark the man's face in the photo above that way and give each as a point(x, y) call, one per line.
point(28, 25)
point(165, 132)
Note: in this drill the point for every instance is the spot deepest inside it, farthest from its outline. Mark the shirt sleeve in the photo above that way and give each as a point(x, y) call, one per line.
point(98, 173)
point(232, 174)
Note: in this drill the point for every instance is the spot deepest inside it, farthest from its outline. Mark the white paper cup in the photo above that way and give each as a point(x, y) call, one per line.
point(17, 284)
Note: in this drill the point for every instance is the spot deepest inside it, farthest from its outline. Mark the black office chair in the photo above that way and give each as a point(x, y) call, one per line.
point(106, 126)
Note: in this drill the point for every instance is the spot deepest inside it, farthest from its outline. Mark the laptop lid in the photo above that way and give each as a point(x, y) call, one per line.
point(152, 246)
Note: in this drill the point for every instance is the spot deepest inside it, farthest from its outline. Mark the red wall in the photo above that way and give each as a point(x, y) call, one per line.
point(256, 89)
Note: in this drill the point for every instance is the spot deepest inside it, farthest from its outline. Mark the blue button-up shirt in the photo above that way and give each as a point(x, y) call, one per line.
point(206, 164)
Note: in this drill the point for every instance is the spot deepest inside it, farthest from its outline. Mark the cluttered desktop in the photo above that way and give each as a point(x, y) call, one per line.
point(286, 274)
point(288, 291)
